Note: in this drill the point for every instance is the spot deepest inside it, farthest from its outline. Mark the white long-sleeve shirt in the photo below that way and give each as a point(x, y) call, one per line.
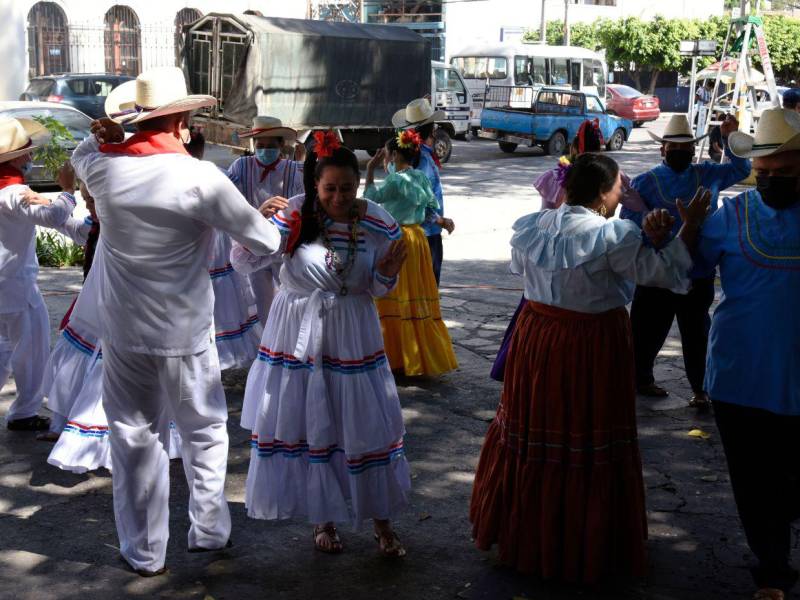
point(18, 263)
point(157, 213)
point(76, 229)
point(575, 259)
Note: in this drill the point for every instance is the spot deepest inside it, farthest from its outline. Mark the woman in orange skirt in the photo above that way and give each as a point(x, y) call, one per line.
point(559, 484)
point(415, 337)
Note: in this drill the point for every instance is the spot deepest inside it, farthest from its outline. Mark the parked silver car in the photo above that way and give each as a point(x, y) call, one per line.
point(77, 123)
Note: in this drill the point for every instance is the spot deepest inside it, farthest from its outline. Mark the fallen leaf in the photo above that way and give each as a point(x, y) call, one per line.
point(699, 433)
point(424, 517)
point(709, 478)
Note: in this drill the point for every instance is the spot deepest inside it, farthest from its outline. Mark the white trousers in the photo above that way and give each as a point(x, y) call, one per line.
point(24, 349)
point(141, 393)
point(265, 285)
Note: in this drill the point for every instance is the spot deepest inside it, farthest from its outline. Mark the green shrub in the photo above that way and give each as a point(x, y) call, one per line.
point(54, 250)
point(52, 155)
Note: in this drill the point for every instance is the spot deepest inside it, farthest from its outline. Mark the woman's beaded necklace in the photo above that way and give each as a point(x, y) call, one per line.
point(341, 268)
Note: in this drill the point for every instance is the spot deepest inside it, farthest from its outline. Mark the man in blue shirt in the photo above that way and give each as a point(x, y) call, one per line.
point(791, 99)
point(654, 309)
point(753, 374)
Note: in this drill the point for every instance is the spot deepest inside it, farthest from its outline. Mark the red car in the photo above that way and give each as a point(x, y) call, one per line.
point(626, 102)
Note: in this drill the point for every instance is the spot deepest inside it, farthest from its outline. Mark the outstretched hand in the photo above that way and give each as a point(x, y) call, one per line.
point(377, 159)
point(273, 205)
point(391, 262)
point(107, 131)
point(695, 213)
point(657, 226)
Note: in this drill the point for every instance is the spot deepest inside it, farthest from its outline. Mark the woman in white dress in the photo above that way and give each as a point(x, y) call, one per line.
point(321, 402)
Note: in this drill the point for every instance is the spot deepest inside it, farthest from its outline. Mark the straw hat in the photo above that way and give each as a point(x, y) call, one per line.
point(417, 112)
point(269, 127)
point(778, 131)
point(20, 136)
point(678, 130)
point(154, 93)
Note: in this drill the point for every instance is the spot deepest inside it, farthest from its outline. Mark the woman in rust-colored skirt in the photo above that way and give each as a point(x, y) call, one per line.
point(559, 484)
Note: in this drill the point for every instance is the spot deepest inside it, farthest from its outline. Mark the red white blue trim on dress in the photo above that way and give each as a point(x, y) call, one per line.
point(77, 341)
point(221, 271)
point(221, 336)
point(93, 431)
point(329, 363)
point(355, 464)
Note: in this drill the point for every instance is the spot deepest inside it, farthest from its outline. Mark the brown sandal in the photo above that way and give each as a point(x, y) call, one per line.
point(390, 544)
point(327, 532)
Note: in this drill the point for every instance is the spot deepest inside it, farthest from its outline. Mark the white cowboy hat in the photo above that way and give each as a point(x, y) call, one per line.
point(778, 131)
point(19, 137)
point(154, 93)
point(678, 130)
point(269, 127)
point(416, 113)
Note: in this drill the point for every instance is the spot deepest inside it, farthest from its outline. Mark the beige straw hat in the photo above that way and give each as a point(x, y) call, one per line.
point(678, 130)
point(416, 113)
point(778, 131)
point(154, 93)
point(19, 137)
point(269, 127)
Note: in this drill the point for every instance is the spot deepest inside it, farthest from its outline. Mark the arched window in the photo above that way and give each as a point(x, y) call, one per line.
point(48, 40)
point(183, 17)
point(123, 41)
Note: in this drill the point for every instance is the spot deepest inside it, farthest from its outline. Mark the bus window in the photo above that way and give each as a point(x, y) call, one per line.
point(481, 67)
point(588, 78)
point(599, 78)
point(539, 70)
point(497, 68)
point(522, 75)
point(559, 71)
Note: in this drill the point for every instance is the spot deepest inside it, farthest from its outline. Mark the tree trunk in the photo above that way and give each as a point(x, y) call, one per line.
point(637, 79)
point(653, 80)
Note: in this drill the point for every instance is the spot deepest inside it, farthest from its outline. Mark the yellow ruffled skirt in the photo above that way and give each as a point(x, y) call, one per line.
point(415, 337)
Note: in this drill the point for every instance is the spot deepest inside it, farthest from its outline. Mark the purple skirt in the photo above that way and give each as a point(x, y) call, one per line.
point(499, 366)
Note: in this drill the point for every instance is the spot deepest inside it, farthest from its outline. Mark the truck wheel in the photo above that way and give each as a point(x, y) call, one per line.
point(442, 145)
point(616, 141)
point(507, 147)
point(556, 145)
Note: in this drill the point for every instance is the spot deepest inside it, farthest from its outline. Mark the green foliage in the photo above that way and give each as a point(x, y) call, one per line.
point(54, 250)
point(654, 45)
point(53, 154)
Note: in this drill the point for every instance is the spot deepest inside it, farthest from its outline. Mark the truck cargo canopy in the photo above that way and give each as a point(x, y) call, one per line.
point(309, 74)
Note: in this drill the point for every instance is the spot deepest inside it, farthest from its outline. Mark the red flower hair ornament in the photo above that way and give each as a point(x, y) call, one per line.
point(409, 139)
point(327, 142)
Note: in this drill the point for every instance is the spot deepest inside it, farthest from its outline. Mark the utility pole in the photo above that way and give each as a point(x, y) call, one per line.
point(543, 25)
point(566, 22)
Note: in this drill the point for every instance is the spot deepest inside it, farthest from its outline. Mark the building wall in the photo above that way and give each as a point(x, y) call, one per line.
point(86, 20)
point(484, 20)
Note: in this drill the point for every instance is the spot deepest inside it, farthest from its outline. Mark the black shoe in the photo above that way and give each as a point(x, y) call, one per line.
point(700, 402)
point(652, 391)
point(34, 423)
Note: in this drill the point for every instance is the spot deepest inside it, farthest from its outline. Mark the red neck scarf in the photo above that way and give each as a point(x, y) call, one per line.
point(10, 175)
point(267, 169)
point(147, 143)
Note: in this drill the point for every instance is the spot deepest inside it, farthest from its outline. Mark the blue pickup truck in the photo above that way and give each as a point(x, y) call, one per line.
point(548, 118)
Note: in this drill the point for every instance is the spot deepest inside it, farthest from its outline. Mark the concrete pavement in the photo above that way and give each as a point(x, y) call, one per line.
point(57, 537)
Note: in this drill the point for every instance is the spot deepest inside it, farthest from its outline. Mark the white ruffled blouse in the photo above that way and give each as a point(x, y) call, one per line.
point(575, 259)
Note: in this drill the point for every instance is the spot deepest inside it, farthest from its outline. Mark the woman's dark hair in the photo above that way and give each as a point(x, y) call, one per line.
point(410, 154)
point(312, 173)
point(425, 131)
point(589, 176)
point(591, 137)
point(197, 143)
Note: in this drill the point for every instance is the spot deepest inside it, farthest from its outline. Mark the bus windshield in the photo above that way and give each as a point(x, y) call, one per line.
point(481, 67)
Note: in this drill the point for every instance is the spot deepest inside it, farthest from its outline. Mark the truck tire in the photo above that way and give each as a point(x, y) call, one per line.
point(616, 141)
point(442, 145)
point(507, 147)
point(557, 144)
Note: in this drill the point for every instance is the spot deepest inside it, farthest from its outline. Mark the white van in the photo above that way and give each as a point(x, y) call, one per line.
point(449, 93)
point(523, 65)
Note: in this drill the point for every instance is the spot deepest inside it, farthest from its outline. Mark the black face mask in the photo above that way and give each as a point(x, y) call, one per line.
point(678, 160)
point(779, 192)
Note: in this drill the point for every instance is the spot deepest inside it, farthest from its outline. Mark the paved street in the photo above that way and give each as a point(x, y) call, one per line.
point(57, 536)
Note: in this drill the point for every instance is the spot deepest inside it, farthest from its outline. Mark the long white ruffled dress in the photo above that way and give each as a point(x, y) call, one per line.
point(321, 402)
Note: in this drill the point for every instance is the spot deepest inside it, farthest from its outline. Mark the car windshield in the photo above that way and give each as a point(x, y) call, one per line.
point(77, 123)
point(626, 91)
